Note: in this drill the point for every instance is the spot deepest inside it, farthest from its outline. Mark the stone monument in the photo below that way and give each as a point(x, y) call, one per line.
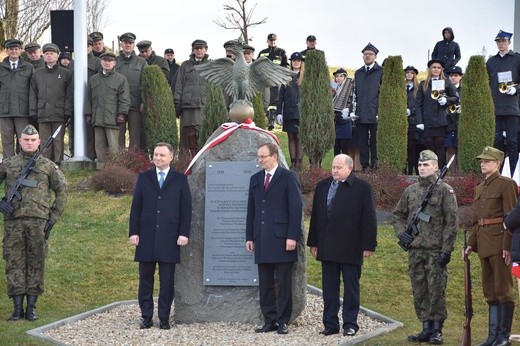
point(196, 299)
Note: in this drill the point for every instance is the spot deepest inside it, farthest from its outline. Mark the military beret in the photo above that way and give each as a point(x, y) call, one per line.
point(65, 55)
point(492, 154)
point(29, 130)
point(296, 56)
point(143, 44)
point(455, 69)
point(108, 56)
point(230, 43)
point(127, 36)
point(427, 155)
point(12, 42)
point(503, 35)
point(90, 42)
point(340, 71)
point(435, 61)
point(96, 35)
point(50, 47)
point(411, 68)
point(311, 38)
point(31, 46)
point(371, 47)
point(272, 37)
point(169, 51)
point(199, 43)
point(248, 48)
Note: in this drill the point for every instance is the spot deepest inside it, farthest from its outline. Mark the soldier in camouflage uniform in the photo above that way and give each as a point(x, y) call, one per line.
point(430, 251)
point(24, 240)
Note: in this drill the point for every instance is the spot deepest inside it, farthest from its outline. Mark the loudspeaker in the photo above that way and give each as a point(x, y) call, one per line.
point(62, 29)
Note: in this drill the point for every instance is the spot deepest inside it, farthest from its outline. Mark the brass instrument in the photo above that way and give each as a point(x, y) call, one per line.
point(504, 87)
point(436, 94)
point(454, 109)
point(342, 96)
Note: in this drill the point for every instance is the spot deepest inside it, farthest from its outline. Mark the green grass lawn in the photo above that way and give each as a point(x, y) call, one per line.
point(90, 264)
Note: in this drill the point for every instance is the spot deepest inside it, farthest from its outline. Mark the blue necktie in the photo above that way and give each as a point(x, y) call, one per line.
point(161, 179)
point(332, 193)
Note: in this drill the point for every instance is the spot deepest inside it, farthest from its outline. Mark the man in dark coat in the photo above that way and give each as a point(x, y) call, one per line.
point(147, 53)
point(343, 231)
point(447, 50)
point(367, 79)
point(169, 55)
point(160, 219)
point(273, 228)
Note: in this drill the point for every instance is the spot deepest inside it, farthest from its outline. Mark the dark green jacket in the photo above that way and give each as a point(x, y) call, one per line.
point(161, 62)
point(108, 95)
point(52, 94)
point(14, 89)
point(132, 68)
point(190, 87)
point(93, 65)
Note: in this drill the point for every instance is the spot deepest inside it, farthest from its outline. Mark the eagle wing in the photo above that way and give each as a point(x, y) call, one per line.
point(263, 73)
point(219, 72)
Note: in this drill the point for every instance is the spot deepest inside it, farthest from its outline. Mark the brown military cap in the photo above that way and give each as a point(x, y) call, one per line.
point(490, 153)
point(30, 130)
point(427, 155)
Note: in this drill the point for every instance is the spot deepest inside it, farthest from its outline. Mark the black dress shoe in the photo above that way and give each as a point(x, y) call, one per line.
point(349, 332)
point(329, 331)
point(164, 324)
point(282, 329)
point(266, 328)
point(146, 323)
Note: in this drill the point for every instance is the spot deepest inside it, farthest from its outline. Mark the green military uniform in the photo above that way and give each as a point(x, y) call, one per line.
point(24, 243)
point(427, 275)
point(493, 199)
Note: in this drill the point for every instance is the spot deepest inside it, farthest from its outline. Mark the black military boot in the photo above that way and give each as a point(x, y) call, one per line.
point(494, 315)
point(424, 335)
point(30, 315)
point(18, 308)
point(436, 337)
point(504, 324)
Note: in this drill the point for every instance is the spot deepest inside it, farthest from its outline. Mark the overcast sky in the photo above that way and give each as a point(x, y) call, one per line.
point(409, 28)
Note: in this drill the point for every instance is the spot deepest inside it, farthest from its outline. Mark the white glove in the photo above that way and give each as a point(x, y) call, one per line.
point(352, 115)
point(408, 113)
point(442, 101)
point(511, 91)
point(279, 119)
point(344, 114)
point(420, 126)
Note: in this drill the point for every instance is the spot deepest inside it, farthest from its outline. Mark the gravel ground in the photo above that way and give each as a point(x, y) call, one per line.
point(120, 326)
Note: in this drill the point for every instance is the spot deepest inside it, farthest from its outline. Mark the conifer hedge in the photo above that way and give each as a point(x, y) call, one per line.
point(477, 118)
point(159, 111)
point(392, 122)
point(214, 112)
point(258, 105)
point(316, 112)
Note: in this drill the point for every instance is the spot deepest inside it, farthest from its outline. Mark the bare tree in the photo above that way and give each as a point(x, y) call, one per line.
point(34, 17)
point(239, 18)
point(95, 11)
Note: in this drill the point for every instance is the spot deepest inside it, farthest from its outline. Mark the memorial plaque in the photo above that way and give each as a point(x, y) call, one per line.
point(226, 260)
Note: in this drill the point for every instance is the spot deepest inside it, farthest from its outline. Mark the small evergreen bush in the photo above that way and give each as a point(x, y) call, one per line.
point(214, 112)
point(258, 105)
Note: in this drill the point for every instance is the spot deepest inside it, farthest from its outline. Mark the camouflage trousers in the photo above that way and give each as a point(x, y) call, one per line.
point(428, 284)
point(24, 254)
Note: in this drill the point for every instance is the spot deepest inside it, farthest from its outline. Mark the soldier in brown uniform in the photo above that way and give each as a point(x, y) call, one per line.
point(494, 198)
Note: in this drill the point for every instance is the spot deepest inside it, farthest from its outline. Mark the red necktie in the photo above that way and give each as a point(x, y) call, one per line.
point(266, 182)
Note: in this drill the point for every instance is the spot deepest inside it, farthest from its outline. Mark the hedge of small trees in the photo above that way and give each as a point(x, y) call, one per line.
point(214, 112)
point(258, 105)
point(159, 111)
point(392, 122)
point(316, 112)
point(477, 118)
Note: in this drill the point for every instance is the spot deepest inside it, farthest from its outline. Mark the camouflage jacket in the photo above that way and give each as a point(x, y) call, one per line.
point(440, 232)
point(37, 201)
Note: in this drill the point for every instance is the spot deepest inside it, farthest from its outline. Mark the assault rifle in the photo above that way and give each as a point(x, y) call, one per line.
point(5, 204)
point(419, 215)
point(468, 300)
